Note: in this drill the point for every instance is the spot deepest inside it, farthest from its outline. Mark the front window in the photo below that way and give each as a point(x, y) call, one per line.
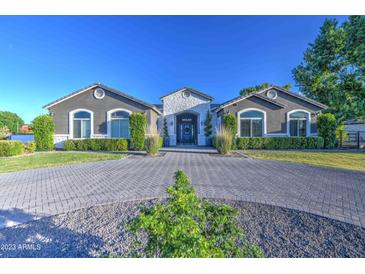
point(82, 124)
point(251, 124)
point(298, 124)
point(120, 124)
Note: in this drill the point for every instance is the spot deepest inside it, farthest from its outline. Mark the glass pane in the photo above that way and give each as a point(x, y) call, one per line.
point(245, 128)
point(77, 129)
point(124, 128)
point(115, 129)
point(120, 114)
point(85, 129)
point(256, 128)
point(302, 124)
point(120, 128)
point(252, 114)
point(82, 114)
point(293, 127)
point(299, 114)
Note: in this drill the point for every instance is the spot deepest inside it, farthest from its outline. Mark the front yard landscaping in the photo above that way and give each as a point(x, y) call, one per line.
point(349, 160)
point(49, 159)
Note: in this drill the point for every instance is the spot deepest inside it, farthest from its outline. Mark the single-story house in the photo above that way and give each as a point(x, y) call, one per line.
point(99, 111)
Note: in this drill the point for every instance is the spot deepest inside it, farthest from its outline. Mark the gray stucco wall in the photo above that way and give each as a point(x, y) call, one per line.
point(276, 117)
point(86, 100)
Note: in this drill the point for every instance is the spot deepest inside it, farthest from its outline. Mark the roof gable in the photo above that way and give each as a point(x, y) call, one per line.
point(259, 94)
point(117, 92)
point(192, 91)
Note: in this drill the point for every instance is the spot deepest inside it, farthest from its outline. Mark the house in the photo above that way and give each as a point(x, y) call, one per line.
point(99, 111)
point(355, 125)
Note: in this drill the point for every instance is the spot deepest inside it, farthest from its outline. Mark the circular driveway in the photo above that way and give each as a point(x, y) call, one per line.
point(329, 192)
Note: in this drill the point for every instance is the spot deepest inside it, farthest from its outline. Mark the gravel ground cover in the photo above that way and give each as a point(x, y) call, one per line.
point(100, 231)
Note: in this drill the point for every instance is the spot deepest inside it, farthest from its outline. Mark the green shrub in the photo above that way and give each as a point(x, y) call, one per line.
point(43, 127)
point(29, 147)
point(97, 145)
point(4, 131)
point(11, 120)
point(188, 227)
point(222, 141)
point(273, 143)
point(69, 145)
point(153, 143)
point(10, 148)
point(137, 124)
point(326, 124)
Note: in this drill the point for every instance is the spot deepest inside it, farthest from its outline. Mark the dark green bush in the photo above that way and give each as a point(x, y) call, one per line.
point(188, 227)
point(10, 148)
point(137, 125)
point(29, 147)
point(97, 145)
point(327, 124)
point(43, 127)
point(280, 143)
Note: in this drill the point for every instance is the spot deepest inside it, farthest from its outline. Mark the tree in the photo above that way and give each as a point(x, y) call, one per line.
point(11, 120)
point(43, 128)
point(230, 123)
point(165, 128)
point(287, 86)
point(208, 124)
point(249, 90)
point(265, 85)
point(186, 226)
point(333, 68)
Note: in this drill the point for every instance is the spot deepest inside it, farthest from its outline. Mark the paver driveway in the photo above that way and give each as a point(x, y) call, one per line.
point(330, 192)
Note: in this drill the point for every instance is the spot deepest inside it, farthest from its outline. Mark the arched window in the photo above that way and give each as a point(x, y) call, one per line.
point(298, 122)
point(81, 124)
point(251, 123)
point(119, 124)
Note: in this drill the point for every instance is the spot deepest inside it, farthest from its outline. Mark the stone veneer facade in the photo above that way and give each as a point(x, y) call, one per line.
point(177, 103)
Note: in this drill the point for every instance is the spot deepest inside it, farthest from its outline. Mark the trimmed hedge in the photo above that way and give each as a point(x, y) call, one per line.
point(137, 126)
point(43, 127)
point(280, 143)
point(326, 124)
point(97, 145)
point(11, 148)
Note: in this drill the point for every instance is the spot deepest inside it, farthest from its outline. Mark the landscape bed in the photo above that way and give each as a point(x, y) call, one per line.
point(100, 231)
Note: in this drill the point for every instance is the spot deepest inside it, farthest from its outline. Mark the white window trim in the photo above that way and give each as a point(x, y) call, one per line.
point(246, 110)
point(71, 122)
point(308, 124)
point(109, 119)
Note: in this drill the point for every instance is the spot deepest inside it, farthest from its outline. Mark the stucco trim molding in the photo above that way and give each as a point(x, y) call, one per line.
point(71, 121)
point(249, 109)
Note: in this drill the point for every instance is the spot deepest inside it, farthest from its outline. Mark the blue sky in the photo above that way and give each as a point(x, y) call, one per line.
point(43, 58)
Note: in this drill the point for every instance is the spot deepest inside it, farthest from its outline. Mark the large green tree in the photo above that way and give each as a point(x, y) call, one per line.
point(11, 120)
point(264, 85)
point(333, 68)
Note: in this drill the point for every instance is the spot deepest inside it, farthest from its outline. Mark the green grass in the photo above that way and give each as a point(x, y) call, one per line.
point(49, 159)
point(349, 160)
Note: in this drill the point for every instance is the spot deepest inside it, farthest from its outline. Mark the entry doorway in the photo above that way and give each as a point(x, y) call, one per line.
point(186, 128)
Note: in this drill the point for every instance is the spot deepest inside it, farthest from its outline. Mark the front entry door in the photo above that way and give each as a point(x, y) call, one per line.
point(187, 133)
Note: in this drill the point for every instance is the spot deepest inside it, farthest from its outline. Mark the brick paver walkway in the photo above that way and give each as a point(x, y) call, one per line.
point(330, 192)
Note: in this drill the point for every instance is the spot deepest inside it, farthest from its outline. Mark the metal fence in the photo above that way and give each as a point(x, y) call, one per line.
point(353, 139)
